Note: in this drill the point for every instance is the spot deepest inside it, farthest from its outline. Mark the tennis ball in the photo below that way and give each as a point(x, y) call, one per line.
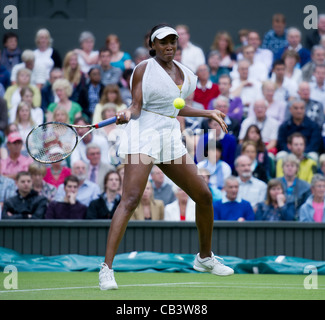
point(179, 103)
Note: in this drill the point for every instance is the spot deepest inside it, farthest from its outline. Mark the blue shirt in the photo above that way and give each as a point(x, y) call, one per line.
point(225, 209)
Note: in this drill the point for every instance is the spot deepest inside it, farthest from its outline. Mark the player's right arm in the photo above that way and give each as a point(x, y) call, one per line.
point(134, 111)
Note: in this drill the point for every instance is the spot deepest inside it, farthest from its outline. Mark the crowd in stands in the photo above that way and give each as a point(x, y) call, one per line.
point(269, 166)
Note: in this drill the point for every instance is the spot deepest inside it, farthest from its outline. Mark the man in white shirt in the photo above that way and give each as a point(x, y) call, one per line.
point(317, 87)
point(39, 73)
point(247, 89)
point(80, 152)
point(251, 189)
point(192, 55)
point(257, 70)
point(264, 56)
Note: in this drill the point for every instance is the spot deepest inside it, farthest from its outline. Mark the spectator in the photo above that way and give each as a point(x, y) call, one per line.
point(232, 206)
point(236, 108)
point(261, 55)
point(90, 95)
point(317, 87)
point(276, 38)
point(275, 108)
point(120, 59)
point(56, 172)
point(253, 134)
point(296, 190)
point(140, 54)
point(87, 56)
point(80, 151)
point(70, 207)
point(13, 96)
point(87, 191)
point(294, 43)
point(228, 141)
point(37, 172)
point(63, 90)
point(216, 70)
point(72, 72)
point(11, 53)
point(307, 166)
point(48, 95)
point(7, 188)
point(205, 90)
point(275, 208)
point(299, 122)
point(314, 109)
point(250, 189)
point(162, 189)
point(105, 206)
point(3, 119)
point(24, 121)
point(4, 78)
point(96, 168)
point(15, 162)
point(37, 114)
point(149, 208)
point(313, 209)
point(218, 169)
point(286, 88)
point(182, 209)
point(222, 104)
point(224, 45)
point(257, 70)
point(45, 55)
point(246, 89)
point(39, 74)
point(317, 57)
point(291, 59)
point(111, 94)
point(267, 125)
point(314, 37)
point(192, 55)
point(259, 171)
point(27, 204)
point(109, 74)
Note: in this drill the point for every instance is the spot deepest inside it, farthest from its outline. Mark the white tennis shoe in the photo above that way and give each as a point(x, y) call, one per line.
point(106, 278)
point(212, 265)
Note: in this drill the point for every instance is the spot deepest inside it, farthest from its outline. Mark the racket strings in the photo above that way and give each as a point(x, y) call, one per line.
point(51, 142)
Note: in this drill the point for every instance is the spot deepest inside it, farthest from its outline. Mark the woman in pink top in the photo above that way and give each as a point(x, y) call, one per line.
point(56, 173)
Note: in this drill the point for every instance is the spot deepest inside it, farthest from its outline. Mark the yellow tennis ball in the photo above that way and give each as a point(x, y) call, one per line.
point(179, 103)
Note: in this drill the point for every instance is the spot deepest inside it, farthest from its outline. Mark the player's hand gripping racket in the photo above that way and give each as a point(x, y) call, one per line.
point(55, 141)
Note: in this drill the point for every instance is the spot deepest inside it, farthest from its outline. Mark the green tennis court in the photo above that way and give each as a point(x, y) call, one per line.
point(163, 286)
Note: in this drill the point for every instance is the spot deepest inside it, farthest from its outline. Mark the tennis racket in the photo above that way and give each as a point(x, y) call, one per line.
point(55, 141)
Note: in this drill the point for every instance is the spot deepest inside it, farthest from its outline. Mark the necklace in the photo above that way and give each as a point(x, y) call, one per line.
point(56, 172)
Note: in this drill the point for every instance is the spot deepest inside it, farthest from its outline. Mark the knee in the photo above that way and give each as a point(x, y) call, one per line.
point(130, 203)
point(203, 197)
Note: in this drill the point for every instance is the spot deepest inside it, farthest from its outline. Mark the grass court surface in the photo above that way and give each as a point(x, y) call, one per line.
point(161, 286)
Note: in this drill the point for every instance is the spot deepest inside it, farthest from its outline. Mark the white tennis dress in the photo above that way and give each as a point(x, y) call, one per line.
point(156, 132)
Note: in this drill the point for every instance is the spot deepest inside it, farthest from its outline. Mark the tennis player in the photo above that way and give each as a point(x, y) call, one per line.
point(152, 136)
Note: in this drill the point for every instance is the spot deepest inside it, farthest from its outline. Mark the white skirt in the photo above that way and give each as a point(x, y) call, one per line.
point(154, 135)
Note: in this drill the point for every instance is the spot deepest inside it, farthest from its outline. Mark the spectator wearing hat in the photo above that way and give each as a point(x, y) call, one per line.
point(15, 162)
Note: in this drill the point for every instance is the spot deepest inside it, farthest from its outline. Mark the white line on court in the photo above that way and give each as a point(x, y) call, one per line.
point(185, 284)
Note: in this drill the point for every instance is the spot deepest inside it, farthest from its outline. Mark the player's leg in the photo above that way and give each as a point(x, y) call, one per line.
point(136, 175)
point(185, 175)
point(135, 180)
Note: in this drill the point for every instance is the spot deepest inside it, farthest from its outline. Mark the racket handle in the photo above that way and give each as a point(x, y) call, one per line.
point(105, 122)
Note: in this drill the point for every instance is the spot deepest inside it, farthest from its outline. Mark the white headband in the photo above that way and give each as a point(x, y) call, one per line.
point(162, 33)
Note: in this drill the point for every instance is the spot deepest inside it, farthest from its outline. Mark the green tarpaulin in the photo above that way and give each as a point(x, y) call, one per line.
point(153, 262)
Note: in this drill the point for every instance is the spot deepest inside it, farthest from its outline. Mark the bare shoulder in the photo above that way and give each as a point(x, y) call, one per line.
point(140, 69)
